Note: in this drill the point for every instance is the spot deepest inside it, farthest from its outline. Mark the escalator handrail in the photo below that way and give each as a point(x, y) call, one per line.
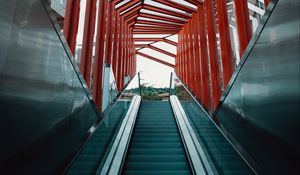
point(198, 159)
point(114, 161)
point(233, 144)
point(69, 161)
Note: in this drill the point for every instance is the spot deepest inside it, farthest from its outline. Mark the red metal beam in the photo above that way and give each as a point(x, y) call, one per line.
point(243, 24)
point(87, 43)
point(225, 44)
point(191, 56)
point(161, 51)
point(120, 56)
point(204, 76)
point(213, 53)
point(131, 11)
point(150, 27)
point(186, 56)
point(99, 54)
point(176, 5)
point(266, 2)
point(195, 2)
point(116, 45)
point(109, 33)
point(156, 49)
point(71, 23)
point(196, 47)
point(166, 11)
point(177, 26)
point(154, 59)
point(179, 56)
point(156, 32)
point(162, 18)
point(170, 42)
point(141, 45)
point(127, 5)
point(148, 39)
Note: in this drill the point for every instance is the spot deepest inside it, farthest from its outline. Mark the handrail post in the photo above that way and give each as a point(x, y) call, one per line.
point(170, 87)
point(139, 79)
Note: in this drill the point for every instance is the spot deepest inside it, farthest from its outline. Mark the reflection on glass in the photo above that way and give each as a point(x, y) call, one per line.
point(221, 155)
point(98, 146)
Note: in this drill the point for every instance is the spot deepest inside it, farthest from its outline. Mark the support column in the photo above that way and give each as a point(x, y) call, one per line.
point(99, 55)
point(87, 44)
point(109, 32)
point(225, 44)
point(243, 24)
point(120, 55)
point(71, 23)
point(213, 54)
point(195, 32)
point(266, 2)
point(191, 56)
point(116, 45)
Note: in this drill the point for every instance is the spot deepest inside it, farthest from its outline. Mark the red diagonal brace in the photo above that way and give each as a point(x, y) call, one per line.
point(155, 59)
point(71, 23)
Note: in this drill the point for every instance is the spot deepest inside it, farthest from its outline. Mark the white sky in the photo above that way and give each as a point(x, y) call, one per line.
point(152, 73)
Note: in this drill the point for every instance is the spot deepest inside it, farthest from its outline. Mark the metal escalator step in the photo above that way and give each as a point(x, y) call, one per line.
point(156, 158)
point(155, 172)
point(171, 166)
point(156, 146)
point(139, 151)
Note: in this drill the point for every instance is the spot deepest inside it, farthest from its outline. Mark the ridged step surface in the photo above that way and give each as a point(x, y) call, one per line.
point(224, 157)
point(156, 146)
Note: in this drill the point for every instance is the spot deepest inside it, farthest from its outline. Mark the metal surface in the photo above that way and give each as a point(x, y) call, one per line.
point(113, 162)
point(260, 108)
point(45, 108)
point(195, 153)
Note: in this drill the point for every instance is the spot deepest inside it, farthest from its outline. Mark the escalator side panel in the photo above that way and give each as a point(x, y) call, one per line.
point(261, 107)
point(45, 110)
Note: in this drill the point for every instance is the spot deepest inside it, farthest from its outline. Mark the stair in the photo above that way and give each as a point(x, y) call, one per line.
point(156, 146)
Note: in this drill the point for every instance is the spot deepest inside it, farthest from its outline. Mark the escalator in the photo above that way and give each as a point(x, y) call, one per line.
point(158, 137)
point(156, 146)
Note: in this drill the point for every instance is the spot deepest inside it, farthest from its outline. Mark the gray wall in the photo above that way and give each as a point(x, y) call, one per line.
point(260, 109)
point(45, 110)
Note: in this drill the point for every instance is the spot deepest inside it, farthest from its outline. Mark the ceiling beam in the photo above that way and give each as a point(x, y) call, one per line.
point(163, 18)
point(155, 59)
point(177, 5)
point(156, 32)
point(127, 5)
point(166, 11)
point(139, 21)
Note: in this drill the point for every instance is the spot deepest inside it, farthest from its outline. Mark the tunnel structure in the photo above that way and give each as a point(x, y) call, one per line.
point(232, 107)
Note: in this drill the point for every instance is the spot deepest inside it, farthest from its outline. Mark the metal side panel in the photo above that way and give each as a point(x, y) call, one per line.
point(44, 108)
point(260, 108)
point(195, 152)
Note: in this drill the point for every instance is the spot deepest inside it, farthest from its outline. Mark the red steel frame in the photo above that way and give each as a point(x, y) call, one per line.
point(87, 43)
point(213, 53)
point(243, 24)
point(266, 2)
point(99, 55)
point(225, 45)
point(196, 47)
point(71, 23)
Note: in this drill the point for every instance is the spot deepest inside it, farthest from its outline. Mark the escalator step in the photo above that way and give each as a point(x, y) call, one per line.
point(156, 146)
